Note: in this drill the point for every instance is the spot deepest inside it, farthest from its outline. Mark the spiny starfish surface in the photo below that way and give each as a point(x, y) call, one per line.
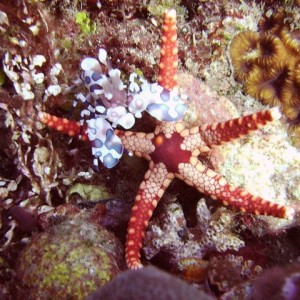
point(173, 151)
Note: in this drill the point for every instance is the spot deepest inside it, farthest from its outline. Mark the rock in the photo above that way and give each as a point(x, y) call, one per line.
point(148, 283)
point(69, 261)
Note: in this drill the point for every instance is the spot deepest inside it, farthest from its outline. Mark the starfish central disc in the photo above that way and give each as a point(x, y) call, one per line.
point(169, 152)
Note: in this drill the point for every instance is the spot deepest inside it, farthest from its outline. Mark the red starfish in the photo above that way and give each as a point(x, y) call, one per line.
point(173, 151)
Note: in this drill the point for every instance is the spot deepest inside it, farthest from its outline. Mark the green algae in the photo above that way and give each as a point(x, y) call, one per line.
point(83, 20)
point(89, 192)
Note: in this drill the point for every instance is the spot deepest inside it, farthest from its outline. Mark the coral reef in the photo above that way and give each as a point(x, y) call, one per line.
point(41, 46)
point(169, 233)
point(222, 247)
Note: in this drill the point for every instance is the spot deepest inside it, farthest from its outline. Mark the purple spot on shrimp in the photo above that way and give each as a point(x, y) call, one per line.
point(96, 143)
point(159, 111)
point(109, 134)
point(96, 76)
point(87, 79)
point(109, 161)
point(112, 142)
point(95, 87)
point(165, 95)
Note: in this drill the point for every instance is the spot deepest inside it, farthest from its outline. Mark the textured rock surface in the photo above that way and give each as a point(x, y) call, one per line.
point(69, 261)
point(148, 284)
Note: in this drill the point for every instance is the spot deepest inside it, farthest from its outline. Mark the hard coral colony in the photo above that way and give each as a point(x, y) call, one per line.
point(171, 149)
point(268, 61)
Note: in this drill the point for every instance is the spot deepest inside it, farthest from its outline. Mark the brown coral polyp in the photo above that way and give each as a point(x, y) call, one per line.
point(272, 24)
point(244, 69)
point(291, 39)
point(291, 98)
point(270, 51)
point(243, 52)
point(268, 62)
point(296, 72)
point(266, 85)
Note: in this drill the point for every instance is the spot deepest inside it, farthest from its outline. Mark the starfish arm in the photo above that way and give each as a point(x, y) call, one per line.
point(193, 141)
point(106, 146)
point(156, 180)
point(71, 128)
point(218, 133)
point(211, 183)
point(167, 77)
point(139, 143)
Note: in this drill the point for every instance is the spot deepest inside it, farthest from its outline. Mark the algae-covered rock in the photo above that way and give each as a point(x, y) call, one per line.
point(69, 261)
